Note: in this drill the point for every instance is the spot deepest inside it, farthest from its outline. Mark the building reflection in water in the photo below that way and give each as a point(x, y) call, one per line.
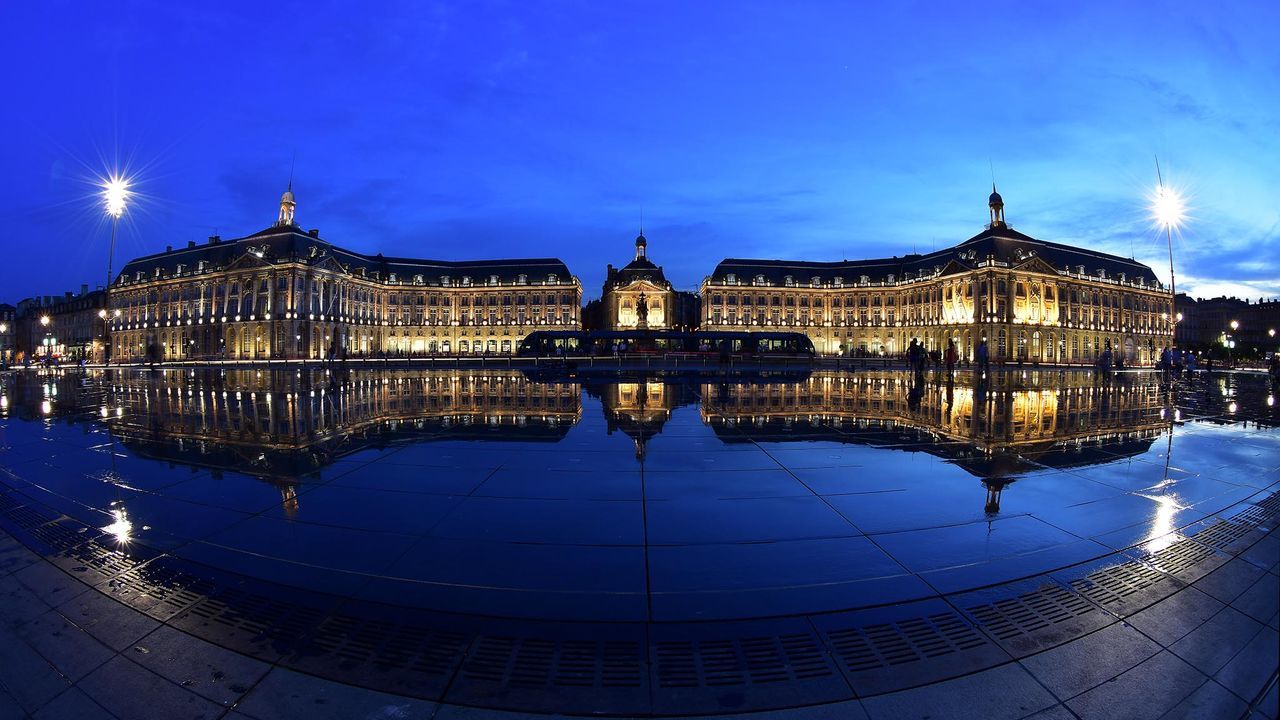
point(997, 430)
point(285, 426)
point(640, 408)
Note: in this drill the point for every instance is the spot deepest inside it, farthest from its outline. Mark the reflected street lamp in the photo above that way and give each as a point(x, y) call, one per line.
point(1231, 343)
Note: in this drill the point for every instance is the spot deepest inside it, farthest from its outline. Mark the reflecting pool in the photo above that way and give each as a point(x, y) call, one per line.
point(256, 507)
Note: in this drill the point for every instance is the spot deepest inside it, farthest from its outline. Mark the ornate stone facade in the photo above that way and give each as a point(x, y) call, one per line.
point(286, 293)
point(638, 296)
point(1029, 299)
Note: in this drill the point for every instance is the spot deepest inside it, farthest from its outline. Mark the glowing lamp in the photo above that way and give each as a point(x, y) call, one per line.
point(115, 193)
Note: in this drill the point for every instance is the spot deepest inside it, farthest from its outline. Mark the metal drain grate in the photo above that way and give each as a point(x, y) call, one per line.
point(1117, 583)
point(535, 662)
point(713, 663)
point(1252, 517)
point(27, 517)
point(57, 536)
point(1180, 556)
point(1271, 505)
point(1222, 535)
point(173, 588)
point(879, 646)
point(255, 615)
point(1025, 614)
point(105, 561)
point(387, 645)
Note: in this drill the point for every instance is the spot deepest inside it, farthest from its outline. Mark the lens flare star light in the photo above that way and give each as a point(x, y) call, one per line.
point(115, 193)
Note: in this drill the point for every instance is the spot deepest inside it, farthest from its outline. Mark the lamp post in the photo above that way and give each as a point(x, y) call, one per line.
point(1231, 342)
point(115, 193)
point(48, 349)
point(1169, 211)
point(102, 315)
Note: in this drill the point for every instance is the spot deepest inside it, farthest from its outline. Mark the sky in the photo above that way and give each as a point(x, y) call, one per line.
point(799, 130)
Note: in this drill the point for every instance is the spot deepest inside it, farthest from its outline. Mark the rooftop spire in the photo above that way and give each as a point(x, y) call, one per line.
point(995, 204)
point(287, 206)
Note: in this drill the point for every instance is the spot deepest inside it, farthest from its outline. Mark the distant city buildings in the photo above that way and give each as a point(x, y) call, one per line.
point(1207, 324)
point(8, 330)
point(67, 327)
point(1029, 299)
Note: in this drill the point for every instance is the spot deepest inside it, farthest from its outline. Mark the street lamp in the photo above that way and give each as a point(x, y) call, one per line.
point(115, 193)
point(1169, 212)
point(44, 323)
point(102, 315)
point(1231, 343)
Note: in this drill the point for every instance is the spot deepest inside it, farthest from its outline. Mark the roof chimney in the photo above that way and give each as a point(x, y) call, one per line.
point(215, 239)
point(191, 244)
point(168, 248)
point(314, 232)
point(84, 288)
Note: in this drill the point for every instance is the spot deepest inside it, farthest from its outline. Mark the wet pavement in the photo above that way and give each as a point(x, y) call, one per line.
point(642, 544)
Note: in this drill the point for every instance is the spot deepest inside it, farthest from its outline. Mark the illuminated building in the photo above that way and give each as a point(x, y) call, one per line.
point(1030, 300)
point(637, 295)
point(287, 293)
point(65, 327)
point(8, 331)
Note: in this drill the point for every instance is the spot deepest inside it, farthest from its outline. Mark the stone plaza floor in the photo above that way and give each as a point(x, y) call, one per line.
point(490, 544)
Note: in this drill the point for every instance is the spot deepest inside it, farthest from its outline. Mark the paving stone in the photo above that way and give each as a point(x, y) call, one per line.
point(49, 583)
point(72, 705)
point(130, 691)
point(1262, 600)
point(9, 707)
point(14, 555)
point(18, 603)
point(845, 710)
point(1210, 700)
point(286, 694)
point(201, 667)
point(116, 625)
point(1211, 645)
point(1248, 672)
point(1070, 669)
point(1265, 553)
point(1170, 619)
point(1004, 692)
point(1229, 581)
point(1143, 693)
point(72, 651)
point(1269, 706)
point(28, 677)
point(1057, 712)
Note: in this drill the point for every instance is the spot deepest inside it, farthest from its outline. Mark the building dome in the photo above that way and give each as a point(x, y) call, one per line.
point(995, 198)
point(640, 241)
point(287, 197)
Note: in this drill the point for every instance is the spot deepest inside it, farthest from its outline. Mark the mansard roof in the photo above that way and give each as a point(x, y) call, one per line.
point(291, 243)
point(1001, 244)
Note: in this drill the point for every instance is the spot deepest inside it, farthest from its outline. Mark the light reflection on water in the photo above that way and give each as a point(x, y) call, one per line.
point(281, 426)
point(612, 487)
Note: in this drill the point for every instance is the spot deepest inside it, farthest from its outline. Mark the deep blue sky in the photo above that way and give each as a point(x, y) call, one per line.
point(779, 129)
